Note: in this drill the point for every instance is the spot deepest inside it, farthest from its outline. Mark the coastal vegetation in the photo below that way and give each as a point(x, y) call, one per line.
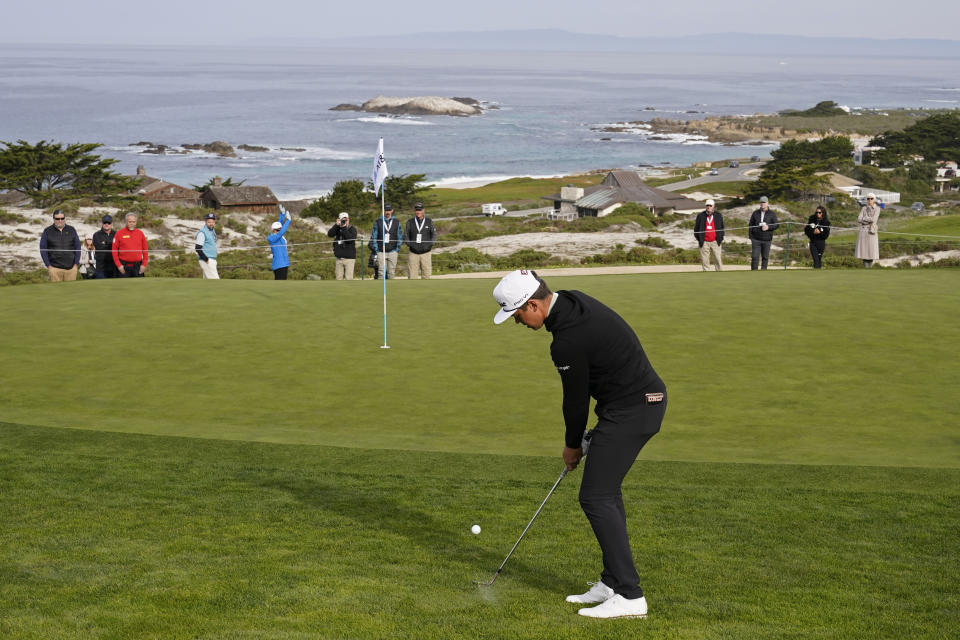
point(795, 125)
point(50, 172)
point(824, 109)
point(793, 171)
point(934, 138)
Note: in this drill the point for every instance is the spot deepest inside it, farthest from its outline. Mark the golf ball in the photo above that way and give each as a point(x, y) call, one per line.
point(475, 529)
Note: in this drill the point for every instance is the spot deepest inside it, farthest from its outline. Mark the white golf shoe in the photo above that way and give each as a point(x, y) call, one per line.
point(599, 592)
point(617, 607)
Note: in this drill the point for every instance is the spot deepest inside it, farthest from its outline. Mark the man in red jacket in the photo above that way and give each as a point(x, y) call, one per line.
point(130, 249)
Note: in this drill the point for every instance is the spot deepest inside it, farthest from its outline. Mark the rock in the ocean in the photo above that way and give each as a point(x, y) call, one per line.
point(417, 106)
point(220, 148)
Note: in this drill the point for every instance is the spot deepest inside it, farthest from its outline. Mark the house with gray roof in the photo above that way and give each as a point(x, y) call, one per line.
point(617, 189)
point(239, 199)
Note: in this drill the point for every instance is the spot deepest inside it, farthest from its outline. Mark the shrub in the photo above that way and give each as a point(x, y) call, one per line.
point(8, 217)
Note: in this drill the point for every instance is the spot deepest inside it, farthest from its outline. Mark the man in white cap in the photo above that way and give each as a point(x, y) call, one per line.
point(708, 230)
point(763, 222)
point(344, 237)
point(278, 245)
point(596, 354)
point(205, 244)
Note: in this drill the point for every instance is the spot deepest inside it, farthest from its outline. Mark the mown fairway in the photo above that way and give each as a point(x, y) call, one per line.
point(805, 481)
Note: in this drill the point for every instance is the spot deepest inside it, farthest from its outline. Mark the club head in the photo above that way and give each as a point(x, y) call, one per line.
point(481, 583)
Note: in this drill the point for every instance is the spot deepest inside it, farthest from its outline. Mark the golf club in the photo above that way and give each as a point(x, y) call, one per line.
point(584, 445)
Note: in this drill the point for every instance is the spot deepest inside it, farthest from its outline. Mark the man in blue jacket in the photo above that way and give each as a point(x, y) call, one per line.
point(205, 245)
point(386, 253)
point(278, 245)
point(60, 249)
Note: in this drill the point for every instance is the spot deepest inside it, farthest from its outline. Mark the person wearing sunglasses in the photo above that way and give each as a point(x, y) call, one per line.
point(60, 249)
point(868, 242)
point(817, 229)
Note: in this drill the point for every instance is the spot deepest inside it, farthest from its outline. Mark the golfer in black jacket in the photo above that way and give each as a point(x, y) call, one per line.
point(596, 354)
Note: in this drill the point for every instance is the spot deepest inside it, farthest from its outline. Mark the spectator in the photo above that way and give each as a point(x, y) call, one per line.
point(103, 242)
point(708, 230)
point(419, 235)
point(130, 249)
point(205, 245)
point(278, 245)
point(60, 249)
point(386, 238)
point(88, 260)
point(372, 261)
point(344, 237)
point(868, 241)
point(762, 224)
point(817, 229)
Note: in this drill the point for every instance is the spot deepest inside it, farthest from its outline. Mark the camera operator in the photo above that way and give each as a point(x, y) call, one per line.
point(344, 237)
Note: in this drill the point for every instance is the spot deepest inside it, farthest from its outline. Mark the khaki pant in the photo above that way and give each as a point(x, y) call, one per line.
point(62, 275)
point(705, 251)
point(391, 269)
point(343, 269)
point(419, 263)
point(209, 269)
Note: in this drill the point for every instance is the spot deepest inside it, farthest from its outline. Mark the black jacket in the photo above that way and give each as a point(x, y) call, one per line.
point(770, 219)
point(812, 223)
point(596, 354)
point(428, 235)
point(60, 248)
point(102, 242)
point(700, 226)
point(344, 241)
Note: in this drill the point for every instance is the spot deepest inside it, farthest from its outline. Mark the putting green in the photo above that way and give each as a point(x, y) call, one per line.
point(830, 367)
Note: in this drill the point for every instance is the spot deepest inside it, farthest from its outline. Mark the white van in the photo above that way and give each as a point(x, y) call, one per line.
point(493, 209)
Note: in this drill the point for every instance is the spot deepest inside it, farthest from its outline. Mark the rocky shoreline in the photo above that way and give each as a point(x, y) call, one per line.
point(728, 130)
point(217, 147)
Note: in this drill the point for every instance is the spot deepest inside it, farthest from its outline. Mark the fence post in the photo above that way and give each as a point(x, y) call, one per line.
point(786, 252)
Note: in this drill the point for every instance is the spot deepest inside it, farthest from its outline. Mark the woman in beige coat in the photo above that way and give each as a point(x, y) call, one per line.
point(868, 243)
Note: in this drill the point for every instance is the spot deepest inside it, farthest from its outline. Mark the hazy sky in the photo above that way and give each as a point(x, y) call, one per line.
point(237, 21)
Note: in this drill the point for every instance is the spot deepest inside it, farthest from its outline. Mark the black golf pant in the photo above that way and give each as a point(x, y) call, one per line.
point(759, 253)
point(816, 252)
point(617, 440)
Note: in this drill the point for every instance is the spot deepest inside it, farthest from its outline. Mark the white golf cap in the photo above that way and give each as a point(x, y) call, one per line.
point(709, 203)
point(513, 291)
point(870, 195)
point(343, 214)
point(276, 225)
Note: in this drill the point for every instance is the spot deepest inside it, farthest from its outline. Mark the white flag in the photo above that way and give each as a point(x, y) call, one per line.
point(379, 168)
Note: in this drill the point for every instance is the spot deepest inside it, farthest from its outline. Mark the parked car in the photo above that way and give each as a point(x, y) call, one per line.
point(754, 158)
point(734, 164)
point(493, 209)
point(714, 172)
point(918, 207)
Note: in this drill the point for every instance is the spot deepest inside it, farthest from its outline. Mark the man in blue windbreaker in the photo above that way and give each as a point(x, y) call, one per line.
point(278, 245)
point(205, 245)
point(386, 253)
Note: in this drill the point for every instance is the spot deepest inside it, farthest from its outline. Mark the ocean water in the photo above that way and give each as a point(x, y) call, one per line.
point(549, 106)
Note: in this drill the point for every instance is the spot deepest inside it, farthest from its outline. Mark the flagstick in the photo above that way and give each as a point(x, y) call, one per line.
point(383, 274)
